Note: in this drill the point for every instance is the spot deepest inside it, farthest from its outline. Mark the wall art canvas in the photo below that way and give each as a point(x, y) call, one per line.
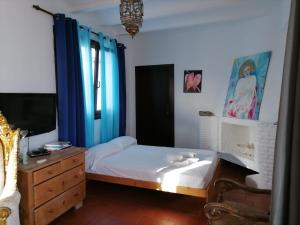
point(192, 81)
point(246, 86)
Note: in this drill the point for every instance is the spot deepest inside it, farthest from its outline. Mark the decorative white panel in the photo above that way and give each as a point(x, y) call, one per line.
point(266, 136)
point(208, 126)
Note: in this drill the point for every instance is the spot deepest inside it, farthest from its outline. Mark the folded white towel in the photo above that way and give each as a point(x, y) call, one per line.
point(185, 162)
point(193, 160)
point(181, 163)
point(174, 158)
point(188, 154)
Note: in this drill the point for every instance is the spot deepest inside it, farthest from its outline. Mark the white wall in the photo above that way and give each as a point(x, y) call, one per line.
point(211, 48)
point(26, 55)
point(27, 61)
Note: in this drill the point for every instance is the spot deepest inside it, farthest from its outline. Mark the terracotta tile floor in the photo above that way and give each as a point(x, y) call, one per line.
point(109, 204)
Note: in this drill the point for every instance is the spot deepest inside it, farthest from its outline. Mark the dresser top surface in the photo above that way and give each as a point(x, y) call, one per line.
point(52, 158)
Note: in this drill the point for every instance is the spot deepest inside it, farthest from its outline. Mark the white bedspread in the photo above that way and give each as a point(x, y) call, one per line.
point(169, 166)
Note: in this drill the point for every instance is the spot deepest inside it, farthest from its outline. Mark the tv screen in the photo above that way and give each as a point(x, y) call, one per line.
point(33, 112)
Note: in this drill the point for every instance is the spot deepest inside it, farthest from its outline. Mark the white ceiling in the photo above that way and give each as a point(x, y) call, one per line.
point(103, 15)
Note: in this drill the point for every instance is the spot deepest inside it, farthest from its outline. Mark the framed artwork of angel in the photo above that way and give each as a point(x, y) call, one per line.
point(192, 82)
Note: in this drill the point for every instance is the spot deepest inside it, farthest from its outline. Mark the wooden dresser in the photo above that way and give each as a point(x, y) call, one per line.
point(50, 188)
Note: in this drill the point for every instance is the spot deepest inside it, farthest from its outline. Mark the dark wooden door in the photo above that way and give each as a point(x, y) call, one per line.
point(155, 105)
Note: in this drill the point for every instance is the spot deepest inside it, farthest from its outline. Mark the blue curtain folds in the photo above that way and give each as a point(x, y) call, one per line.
point(87, 83)
point(104, 122)
point(110, 105)
point(69, 83)
point(122, 88)
point(75, 89)
point(74, 82)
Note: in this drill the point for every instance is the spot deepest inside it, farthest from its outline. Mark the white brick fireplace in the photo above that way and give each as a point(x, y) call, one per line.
point(247, 143)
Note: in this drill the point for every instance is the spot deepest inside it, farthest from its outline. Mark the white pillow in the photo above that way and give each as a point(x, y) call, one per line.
point(100, 151)
point(124, 141)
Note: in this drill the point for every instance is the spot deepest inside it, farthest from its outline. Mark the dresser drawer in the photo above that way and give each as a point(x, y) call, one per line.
point(49, 211)
point(74, 195)
point(54, 208)
point(51, 188)
point(73, 161)
point(46, 173)
point(48, 190)
point(73, 177)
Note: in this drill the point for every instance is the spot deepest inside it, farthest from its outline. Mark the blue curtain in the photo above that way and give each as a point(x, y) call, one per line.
point(72, 105)
point(74, 82)
point(84, 34)
point(122, 87)
point(110, 108)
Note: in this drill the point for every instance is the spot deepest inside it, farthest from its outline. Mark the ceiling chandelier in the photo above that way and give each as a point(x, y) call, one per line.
point(131, 15)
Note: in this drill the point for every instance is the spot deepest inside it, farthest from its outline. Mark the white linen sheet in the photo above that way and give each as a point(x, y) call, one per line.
point(169, 166)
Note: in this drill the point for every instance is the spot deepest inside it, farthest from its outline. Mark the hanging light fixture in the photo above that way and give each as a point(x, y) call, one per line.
point(131, 15)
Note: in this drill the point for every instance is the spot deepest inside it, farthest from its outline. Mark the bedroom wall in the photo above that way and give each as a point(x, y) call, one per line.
point(27, 61)
point(26, 56)
point(211, 48)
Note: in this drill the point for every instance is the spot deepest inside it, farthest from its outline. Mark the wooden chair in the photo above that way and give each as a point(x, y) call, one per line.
point(9, 195)
point(225, 212)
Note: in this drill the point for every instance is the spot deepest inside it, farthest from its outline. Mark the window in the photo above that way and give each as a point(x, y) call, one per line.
point(97, 77)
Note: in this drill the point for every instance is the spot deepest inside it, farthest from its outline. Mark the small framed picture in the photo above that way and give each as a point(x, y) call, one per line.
point(192, 81)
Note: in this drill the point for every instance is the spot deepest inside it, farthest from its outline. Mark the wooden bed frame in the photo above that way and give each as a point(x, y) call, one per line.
point(206, 193)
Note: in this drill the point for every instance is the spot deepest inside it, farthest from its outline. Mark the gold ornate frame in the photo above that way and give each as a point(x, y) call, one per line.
point(9, 142)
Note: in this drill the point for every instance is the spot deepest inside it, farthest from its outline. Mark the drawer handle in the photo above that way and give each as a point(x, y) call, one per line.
point(75, 176)
point(50, 172)
point(76, 195)
point(50, 190)
point(50, 211)
point(74, 160)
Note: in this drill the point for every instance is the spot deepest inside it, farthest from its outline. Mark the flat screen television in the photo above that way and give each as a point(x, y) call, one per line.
point(33, 112)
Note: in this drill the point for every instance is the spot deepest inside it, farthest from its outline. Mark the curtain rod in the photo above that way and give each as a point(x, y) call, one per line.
point(37, 7)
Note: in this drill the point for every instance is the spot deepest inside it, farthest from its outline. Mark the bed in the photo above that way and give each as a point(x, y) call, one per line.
point(178, 170)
